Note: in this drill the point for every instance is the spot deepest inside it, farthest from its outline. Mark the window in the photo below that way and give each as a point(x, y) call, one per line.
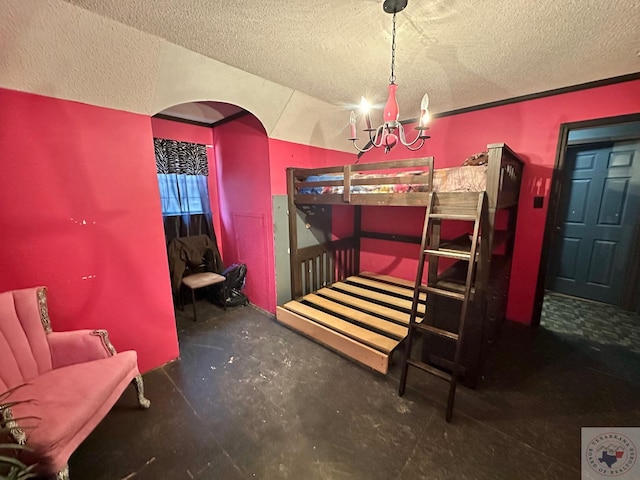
point(183, 172)
point(183, 194)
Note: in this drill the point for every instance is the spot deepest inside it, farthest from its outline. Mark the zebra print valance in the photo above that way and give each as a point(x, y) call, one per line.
point(180, 157)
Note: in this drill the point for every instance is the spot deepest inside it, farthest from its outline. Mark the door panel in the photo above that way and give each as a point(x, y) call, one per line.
point(613, 201)
point(603, 256)
point(569, 261)
point(578, 201)
point(598, 209)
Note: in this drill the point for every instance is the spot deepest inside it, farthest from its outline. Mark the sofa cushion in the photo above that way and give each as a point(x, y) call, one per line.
point(24, 349)
point(64, 405)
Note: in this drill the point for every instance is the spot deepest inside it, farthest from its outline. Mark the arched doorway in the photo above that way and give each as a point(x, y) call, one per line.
point(239, 186)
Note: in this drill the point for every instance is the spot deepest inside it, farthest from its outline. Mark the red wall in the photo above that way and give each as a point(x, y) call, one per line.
point(81, 214)
point(183, 132)
point(242, 156)
point(81, 208)
point(284, 154)
point(530, 128)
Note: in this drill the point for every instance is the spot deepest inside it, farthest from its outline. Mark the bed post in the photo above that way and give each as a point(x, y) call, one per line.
point(357, 229)
point(296, 284)
point(493, 184)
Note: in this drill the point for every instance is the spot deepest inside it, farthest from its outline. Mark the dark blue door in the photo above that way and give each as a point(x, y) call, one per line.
point(599, 209)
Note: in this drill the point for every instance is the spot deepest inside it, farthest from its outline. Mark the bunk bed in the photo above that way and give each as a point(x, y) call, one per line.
point(364, 315)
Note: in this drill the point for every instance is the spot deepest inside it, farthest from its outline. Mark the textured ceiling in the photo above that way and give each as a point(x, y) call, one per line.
point(462, 52)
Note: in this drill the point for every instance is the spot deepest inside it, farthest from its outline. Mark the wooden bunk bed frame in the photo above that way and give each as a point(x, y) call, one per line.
point(339, 306)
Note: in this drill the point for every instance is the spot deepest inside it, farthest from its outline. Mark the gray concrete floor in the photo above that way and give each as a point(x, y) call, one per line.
point(251, 399)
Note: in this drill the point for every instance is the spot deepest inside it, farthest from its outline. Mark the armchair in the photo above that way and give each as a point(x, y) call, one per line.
point(58, 385)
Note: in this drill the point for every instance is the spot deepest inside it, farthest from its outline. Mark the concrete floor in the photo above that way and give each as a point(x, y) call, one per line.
point(251, 399)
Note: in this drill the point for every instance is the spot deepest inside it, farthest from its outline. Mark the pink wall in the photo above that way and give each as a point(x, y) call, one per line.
point(242, 156)
point(284, 154)
point(184, 132)
point(81, 209)
point(530, 128)
point(81, 214)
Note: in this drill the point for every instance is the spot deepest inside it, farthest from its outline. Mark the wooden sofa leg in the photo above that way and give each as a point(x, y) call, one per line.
point(144, 402)
point(63, 474)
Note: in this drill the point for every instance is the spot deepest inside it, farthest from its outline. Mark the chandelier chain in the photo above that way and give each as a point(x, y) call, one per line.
point(392, 78)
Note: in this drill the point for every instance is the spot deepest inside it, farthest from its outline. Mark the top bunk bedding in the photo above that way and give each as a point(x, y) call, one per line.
point(497, 171)
point(454, 179)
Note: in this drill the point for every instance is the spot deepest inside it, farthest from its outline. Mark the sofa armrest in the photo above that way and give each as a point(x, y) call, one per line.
point(78, 346)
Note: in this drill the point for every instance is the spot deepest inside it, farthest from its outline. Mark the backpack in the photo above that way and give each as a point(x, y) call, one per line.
point(236, 277)
point(235, 298)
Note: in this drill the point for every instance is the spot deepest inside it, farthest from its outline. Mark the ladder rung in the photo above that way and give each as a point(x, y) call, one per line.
point(449, 254)
point(448, 364)
point(453, 286)
point(449, 287)
point(436, 331)
point(428, 368)
point(454, 216)
point(443, 292)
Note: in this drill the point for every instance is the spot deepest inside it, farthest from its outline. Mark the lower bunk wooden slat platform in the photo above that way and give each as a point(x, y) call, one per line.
point(363, 317)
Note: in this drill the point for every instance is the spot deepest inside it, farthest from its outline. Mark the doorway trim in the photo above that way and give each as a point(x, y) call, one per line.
point(552, 211)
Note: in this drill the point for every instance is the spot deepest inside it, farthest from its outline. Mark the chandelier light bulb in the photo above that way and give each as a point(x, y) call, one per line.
point(424, 104)
point(364, 106)
point(424, 111)
point(352, 123)
point(424, 118)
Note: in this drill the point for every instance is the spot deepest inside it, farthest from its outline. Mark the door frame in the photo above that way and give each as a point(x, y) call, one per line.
point(557, 180)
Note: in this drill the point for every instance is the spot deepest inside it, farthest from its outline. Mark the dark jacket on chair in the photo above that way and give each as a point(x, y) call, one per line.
point(183, 251)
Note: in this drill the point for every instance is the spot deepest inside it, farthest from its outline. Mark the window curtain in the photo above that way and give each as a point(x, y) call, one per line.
point(183, 172)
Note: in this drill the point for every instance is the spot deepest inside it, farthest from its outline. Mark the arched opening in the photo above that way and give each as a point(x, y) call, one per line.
point(239, 188)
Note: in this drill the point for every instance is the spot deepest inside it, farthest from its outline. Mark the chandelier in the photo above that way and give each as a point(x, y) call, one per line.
point(391, 131)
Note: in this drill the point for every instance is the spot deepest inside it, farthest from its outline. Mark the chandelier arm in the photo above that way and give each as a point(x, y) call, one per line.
point(415, 149)
point(378, 136)
point(375, 141)
point(362, 150)
point(403, 138)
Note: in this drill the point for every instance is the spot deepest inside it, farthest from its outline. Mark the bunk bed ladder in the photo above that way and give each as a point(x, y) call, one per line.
point(431, 249)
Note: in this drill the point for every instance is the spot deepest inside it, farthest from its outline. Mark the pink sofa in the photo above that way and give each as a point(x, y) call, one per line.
point(64, 383)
